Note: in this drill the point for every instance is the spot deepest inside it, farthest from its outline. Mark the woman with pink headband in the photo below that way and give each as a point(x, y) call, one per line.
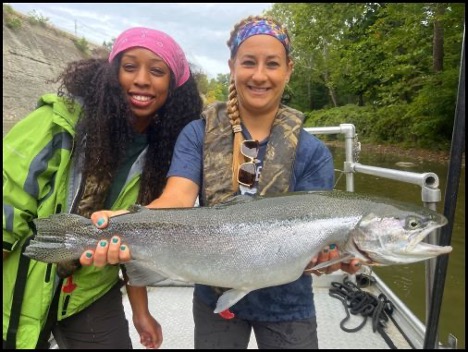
point(253, 144)
point(105, 141)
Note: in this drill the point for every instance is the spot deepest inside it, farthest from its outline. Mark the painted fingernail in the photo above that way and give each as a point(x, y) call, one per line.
point(100, 221)
point(115, 240)
point(325, 250)
point(89, 254)
point(103, 243)
point(332, 246)
point(122, 248)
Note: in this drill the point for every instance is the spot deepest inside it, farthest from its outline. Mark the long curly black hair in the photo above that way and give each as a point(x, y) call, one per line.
point(104, 130)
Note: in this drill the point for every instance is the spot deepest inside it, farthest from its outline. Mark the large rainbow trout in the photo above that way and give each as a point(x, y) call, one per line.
point(248, 242)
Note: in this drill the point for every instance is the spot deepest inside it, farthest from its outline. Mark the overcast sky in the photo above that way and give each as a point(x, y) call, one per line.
point(201, 29)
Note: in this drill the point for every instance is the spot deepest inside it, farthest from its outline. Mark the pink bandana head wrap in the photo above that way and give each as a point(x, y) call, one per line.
point(159, 43)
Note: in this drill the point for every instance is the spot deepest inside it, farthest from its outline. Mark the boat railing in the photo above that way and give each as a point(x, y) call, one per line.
point(430, 196)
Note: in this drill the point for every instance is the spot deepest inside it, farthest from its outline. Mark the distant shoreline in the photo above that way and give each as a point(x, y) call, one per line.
point(415, 154)
point(410, 153)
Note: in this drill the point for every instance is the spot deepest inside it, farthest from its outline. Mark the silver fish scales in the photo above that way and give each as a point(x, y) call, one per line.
point(249, 242)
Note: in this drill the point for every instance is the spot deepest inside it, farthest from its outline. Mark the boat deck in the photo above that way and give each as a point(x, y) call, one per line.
point(172, 307)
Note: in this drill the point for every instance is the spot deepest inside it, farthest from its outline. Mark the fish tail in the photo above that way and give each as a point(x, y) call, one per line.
point(60, 237)
point(60, 224)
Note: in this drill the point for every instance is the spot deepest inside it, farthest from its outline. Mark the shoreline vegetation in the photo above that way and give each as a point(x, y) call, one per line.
point(361, 117)
point(416, 155)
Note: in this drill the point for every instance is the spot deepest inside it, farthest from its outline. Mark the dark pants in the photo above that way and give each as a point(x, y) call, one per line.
point(212, 331)
point(102, 325)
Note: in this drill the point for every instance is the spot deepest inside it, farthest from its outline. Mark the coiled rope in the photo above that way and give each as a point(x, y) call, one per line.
point(357, 301)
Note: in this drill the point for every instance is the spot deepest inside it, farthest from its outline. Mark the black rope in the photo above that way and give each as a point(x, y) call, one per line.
point(357, 301)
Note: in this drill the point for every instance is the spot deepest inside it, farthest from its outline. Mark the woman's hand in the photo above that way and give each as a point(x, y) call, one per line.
point(179, 192)
point(114, 252)
point(329, 253)
point(149, 329)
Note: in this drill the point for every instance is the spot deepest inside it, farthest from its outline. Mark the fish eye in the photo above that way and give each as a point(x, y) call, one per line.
point(412, 223)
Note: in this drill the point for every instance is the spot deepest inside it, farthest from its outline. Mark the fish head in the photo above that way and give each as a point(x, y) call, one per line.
point(395, 236)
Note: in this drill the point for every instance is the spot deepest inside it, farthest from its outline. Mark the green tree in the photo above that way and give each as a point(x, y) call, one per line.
point(108, 45)
point(401, 58)
point(218, 88)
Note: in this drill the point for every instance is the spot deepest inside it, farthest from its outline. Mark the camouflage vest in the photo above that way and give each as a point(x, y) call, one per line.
point(277, 164)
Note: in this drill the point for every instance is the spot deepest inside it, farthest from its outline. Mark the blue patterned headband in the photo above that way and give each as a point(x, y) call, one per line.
point(260, 27)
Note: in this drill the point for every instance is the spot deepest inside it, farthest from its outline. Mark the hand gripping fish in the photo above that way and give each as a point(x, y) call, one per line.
point(248, 242)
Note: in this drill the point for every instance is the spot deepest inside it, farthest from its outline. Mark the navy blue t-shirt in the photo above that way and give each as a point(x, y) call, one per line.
point(313, 170)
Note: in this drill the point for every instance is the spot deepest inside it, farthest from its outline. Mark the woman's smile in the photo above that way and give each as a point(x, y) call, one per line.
point(140, 101)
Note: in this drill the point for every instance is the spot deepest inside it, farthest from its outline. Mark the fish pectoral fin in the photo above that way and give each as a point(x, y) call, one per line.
point(140, 275)
point(228, 299)
point(331, 262)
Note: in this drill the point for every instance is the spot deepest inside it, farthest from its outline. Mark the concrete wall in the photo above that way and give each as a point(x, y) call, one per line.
point(33, 54)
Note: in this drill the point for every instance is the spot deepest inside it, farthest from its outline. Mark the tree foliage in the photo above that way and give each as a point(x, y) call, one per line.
point(397, 63)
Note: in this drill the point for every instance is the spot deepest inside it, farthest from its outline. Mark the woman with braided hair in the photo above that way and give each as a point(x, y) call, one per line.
point(252, 144)
point(104, 141)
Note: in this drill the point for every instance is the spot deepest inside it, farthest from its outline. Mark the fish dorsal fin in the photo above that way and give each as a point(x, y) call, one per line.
point(228, 299)
point(239, 199)
point(331, 262)
point(135, 208)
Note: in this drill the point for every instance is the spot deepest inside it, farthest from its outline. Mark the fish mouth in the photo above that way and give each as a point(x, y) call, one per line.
point(363, 256)
point(430, 249)
point(417, 245)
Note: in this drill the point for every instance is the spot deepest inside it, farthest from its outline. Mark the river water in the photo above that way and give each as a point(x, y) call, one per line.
point(408, 281)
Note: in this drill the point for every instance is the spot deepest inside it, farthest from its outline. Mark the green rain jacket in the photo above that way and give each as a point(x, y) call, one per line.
point(38, 180)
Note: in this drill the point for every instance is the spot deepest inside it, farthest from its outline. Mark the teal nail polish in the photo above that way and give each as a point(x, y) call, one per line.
point(332, 246)
point(100, 221)
point(115, 240)
point(122, 248)
point(103, 243)
point(89, 254)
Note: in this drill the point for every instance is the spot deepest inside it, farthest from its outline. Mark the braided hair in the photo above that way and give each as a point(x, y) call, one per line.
point(233, 104)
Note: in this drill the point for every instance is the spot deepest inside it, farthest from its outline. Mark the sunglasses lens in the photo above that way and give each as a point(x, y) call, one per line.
point(247, 174)
point(248, 171)
point(249, 148)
